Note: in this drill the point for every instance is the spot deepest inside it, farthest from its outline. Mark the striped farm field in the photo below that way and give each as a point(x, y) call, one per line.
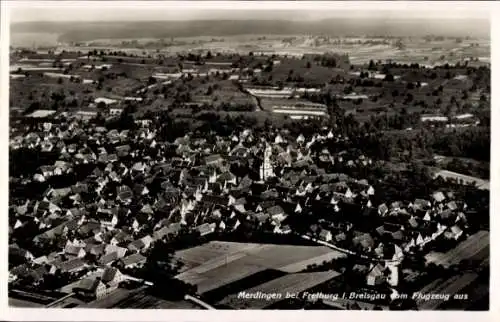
point(476, 247)
point(196, 256)
point(216, 264)
point(291, 283)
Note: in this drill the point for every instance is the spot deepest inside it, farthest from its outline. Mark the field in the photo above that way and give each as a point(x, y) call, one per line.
point(136, 299)
point(450, 287)
point(13, 302)
point(360, 50)
point(215, 264)
point(292, 283)
point(33, 38)
point(476, 247)
point(215, 250)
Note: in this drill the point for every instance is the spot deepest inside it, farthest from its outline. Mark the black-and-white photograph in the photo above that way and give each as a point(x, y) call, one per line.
point(322, 156)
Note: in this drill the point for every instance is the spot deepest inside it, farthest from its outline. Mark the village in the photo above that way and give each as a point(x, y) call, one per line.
point(243, 175)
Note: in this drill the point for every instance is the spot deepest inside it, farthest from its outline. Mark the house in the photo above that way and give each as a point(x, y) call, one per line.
point(107, 259)
point(172, 229)
point(74, 251)
point(438, 196)
point(136, 246)
point(121, 151)
point(147, 209)
point(120, 251)
point(70, 266)
point(364, 240)
point(376, 275)
point(214, 159)
point(259, 218)
point(147, 240)
point(42, 260)
point(18, 271)
point(277, 213)
point(140, 190)
point(90, 288)
point(47, 146)
point(452, 205)
point(115, 111)
point(98, 287)
point(421, 205)
point(206, 228)
point(454, 232)
point(284, 229)
point(133, 261)
point(39, 177)
point(124, 194)
point(383, 209)
point(95, 249)
point(108, 218)
point(44, 207)
point(120, 237)
point(112, 277)
point(47, 170)
point(325, 235)
point(340, 237)
point(18, 252)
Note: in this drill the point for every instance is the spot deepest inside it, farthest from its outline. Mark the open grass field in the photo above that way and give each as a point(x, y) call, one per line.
point(215, 264)
point(476, 247)
point(292, 283)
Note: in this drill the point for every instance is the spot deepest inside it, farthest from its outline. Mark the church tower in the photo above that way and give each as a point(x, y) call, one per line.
point(266, 169)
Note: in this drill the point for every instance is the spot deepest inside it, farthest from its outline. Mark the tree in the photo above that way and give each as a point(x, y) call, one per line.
point(371, 65)
point(151, 80)
point(101, 105)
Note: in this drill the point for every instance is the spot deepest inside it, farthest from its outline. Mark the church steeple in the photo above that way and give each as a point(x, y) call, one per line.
point(266, 169)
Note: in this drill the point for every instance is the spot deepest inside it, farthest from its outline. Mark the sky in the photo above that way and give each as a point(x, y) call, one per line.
point(23, 11)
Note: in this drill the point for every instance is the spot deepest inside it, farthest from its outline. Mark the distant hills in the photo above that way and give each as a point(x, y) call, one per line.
point(86, 31)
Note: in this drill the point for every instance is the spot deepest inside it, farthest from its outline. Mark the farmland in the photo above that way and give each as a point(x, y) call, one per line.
point(23, 303)
point(298, 158)
point(292, 283)
point(136, 299)
point(215, 250)
point(476, 247)
point(216, 264)
point(447, 287)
